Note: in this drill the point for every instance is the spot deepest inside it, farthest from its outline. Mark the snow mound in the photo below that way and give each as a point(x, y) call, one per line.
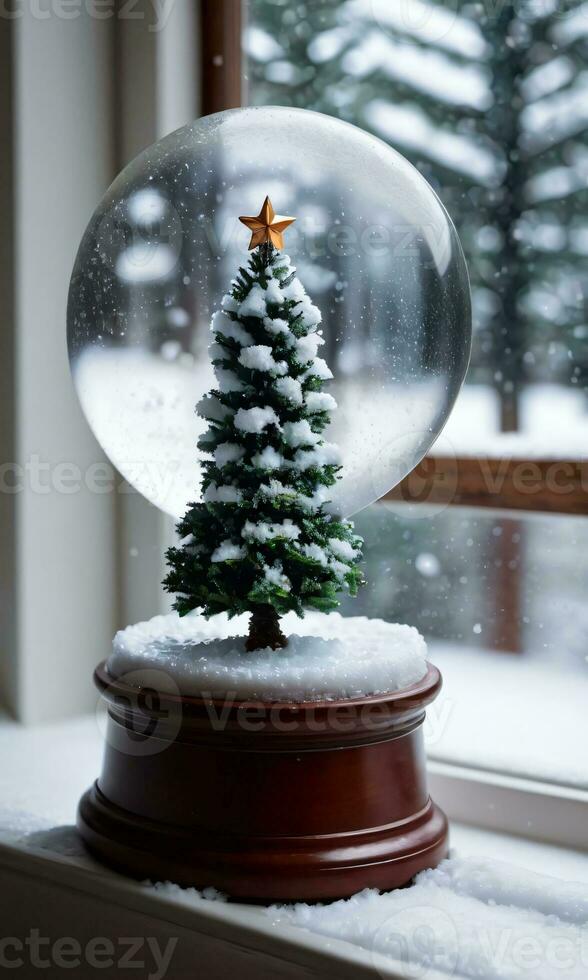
point(327, 657)
point(466, 918)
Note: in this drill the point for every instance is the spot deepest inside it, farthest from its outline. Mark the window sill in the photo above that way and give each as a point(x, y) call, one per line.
point(49, 882)
point(70, 895)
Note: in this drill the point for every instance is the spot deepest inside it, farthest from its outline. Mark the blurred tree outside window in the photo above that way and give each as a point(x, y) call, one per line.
point(490, 102)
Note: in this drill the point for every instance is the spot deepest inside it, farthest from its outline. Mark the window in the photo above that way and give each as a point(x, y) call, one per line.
point(501, 601)
point(489, 103)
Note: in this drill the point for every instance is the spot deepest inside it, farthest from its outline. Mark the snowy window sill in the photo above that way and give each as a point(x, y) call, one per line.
point(49, 882)
point(488, 915)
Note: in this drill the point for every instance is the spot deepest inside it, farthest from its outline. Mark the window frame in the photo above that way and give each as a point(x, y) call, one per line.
point(221, 55)
point(536, 485)
point(507, 804)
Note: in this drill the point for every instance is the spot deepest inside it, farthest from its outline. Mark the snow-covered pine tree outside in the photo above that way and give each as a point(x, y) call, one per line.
point(264, 539)
point(489, 102)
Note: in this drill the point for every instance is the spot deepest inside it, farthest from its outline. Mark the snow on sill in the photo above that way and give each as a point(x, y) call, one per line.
point(469, 918)
point(45, 770)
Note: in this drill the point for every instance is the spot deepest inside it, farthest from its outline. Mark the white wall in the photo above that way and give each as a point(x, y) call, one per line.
point(8, 620)
point(65, 582)
point(79, 98)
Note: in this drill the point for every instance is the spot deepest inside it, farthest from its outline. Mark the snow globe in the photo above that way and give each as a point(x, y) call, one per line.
point(258, 741)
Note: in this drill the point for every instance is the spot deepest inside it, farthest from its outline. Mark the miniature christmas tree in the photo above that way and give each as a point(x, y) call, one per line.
point(264, 540)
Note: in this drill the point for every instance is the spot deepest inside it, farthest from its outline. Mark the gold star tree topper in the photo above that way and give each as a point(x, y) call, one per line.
point(267, 226)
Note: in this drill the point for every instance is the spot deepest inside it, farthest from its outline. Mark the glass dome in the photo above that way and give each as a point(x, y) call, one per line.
point(373, 246)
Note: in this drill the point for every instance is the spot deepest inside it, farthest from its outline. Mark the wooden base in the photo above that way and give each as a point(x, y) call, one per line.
point(265, 802)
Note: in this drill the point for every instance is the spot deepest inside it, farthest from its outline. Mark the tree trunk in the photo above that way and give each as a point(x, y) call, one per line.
point(264, 630)
point(509, 63)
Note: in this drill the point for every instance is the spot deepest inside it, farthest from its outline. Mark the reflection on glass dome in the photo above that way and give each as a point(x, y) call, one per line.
point(372, 245)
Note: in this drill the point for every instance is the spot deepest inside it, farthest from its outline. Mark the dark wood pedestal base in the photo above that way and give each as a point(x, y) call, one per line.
point(267, 802)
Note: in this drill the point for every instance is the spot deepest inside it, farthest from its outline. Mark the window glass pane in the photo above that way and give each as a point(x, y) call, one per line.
point(501, 602)
point(489, 103)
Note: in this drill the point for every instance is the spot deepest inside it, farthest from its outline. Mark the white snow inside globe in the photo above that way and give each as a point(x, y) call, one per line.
point(372, 245)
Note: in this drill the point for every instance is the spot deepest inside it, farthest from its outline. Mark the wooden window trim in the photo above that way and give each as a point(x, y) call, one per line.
point(518, 484)
point(221, 29)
